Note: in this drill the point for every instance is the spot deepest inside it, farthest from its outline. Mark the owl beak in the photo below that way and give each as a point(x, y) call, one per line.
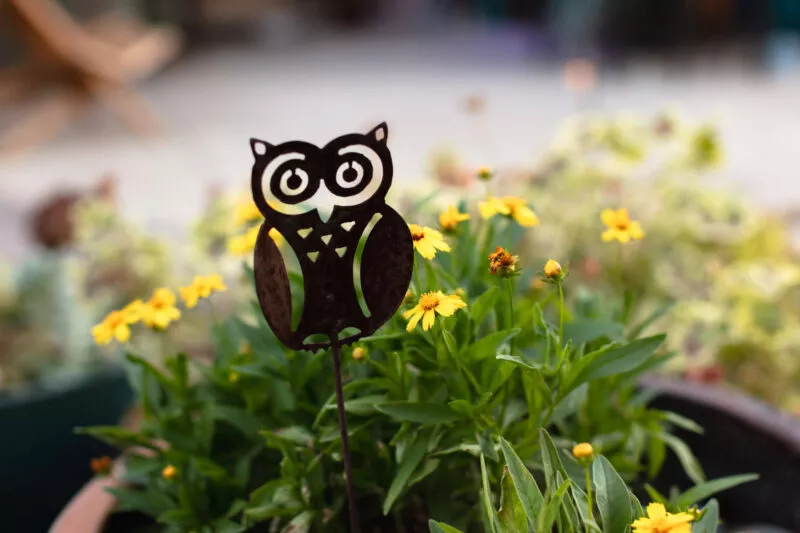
point(325, 205)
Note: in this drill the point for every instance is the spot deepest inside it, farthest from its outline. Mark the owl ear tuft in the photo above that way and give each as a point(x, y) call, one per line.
point(380, 132)
point(259, 147)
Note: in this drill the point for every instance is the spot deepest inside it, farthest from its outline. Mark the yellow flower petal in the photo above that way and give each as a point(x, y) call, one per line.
point(122, 333)
point(609, 217)
point(609, 235)
point(414, 319)
point(656, 511)
point(525, 217)
point(635, 231)
point(428, 319)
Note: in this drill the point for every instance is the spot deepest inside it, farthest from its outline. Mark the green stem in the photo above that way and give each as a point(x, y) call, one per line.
point(560, 317)
point(417, 280)
point(510, 295)
point(589, 502)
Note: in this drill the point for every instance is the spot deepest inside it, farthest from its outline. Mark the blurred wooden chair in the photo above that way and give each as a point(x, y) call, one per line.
point(99, 60)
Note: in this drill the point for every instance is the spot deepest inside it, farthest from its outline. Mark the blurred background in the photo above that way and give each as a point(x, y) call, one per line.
point(165, 94)
point(146, 107)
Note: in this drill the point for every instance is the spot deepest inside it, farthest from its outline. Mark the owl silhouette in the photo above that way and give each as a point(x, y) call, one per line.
point(288, 182)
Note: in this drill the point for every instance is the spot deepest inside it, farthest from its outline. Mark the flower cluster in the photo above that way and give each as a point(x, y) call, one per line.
point(157, 313)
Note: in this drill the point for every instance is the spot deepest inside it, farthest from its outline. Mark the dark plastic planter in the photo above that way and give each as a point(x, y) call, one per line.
point(742, 435)
point(42, 461)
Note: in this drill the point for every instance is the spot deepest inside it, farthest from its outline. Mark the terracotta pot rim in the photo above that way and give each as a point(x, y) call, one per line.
point(88, 510)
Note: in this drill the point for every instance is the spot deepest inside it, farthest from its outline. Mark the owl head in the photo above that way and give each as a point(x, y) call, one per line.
point(356, 169)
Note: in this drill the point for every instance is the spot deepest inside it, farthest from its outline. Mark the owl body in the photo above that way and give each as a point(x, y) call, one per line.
point(357, 170)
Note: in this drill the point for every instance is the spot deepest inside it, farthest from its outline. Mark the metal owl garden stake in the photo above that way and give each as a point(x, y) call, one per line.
point(357, 170)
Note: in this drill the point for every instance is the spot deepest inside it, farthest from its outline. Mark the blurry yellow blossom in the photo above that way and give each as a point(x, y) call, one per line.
point(620, 227)
point(552, 269)
point(169, 472)
point(245, 212)
point(243, 244)
point(427, 241)
point(509, 206)
point(160, 310)
point(116, 325)
point(583, 450)
point(428, 305)
point(450, 218)
point(202, 287)
point(485, 173)
point(359, 353)
point(658, 520)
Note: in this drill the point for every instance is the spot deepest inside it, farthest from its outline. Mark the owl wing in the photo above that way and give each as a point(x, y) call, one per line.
point(386, 266)
point(272, 286)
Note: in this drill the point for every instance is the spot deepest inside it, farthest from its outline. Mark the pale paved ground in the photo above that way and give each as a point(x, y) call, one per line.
point(214, 101)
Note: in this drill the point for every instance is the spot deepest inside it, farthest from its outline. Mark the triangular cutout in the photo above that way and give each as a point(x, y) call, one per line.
point(341, 251)
point(304, 232)
point(326, 238)
point(313, 256)
point(348, 225)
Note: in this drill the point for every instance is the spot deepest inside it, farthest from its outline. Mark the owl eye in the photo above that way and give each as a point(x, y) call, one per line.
point(294, 182)
point(349, 175)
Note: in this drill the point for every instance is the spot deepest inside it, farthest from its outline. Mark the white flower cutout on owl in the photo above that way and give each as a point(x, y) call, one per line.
point(324, 201)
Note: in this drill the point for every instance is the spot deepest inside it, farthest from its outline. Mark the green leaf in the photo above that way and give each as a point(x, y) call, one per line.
point(636, 330)
point(551, 510)
point(589, 330)
point(209, 468)
point(449, 342)
point(483, 304)
point(421, 413)
point(177, 517)
point(117, 436)
point(246, 422)
point(709, 522)
point(550, 459)
point(655, 496)
point(656, 454)
point(608, 362)
point(487, 497)
point(687, 459)
point(300, 523)
point(570, 404)
point(613, 499)
point(511, 515)
point(528, 491)
point(438, 527)
point(704, 490)
point(364, 405)
point(150, 502)
point(488, 346)
point(682, 422)
point(487, 446)
point(411, 460)
point(517, 360)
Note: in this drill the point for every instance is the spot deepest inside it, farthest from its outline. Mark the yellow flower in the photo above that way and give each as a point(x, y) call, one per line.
point(116, 325)
point(202, 287)
point(502, 263)
point(552, 269)
point(660, 521)
point(169, 472)
point(246, 243)
point(620, 227)
point(509, 206)
point(428, 305)
point(246, 211)
point(427, 241)
point(161, 310)
point(485, 173)
point(359, 353)
point(583, 450)
point(133, 311)
point(450, 218)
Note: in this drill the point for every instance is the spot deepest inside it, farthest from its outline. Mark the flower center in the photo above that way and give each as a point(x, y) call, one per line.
point(417, 235)
point(622, 225)
point(429, 301)
point(115, 318)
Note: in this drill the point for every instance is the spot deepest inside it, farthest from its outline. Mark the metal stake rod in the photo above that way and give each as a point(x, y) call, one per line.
point(351, 499)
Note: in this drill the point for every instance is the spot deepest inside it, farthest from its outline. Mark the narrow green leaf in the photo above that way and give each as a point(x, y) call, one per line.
point(421, 413)
point(588, 330)
point(613, 499)
point(487, 446)
point(246, 422)
point(438, 527)
point(702, 491)
point(483, 304)
point(551, 510)
point(709, 522)
point(487, 497)
point(411, 460)
point(117, 436)
point(517, 360)
point(656, 454)
point(622, 359)
point(488, 345)
point(511, 515)
point(687, 459)
point(528, 491)
point(682, 422)
point(636, 330)
point(654, 494)
point(300, 523)
point(449, 342)
point(550, 459)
